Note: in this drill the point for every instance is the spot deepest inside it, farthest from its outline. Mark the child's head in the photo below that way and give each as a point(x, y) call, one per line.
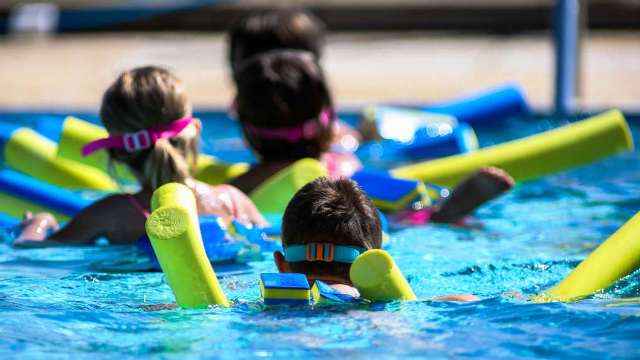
point(284, 105)
point(275, 29)
point(327, 211)
point(150, 98)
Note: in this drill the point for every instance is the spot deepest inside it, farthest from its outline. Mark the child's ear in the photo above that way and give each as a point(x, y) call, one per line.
point(281, 263)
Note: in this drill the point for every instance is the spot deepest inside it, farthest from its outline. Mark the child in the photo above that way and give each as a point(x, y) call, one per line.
point(148, 117)
point(286, 111)
point(336, 213)
point(284, 29)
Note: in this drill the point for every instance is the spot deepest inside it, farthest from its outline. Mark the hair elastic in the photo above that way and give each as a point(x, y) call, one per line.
point(309, 129)
point(139, 140)
point(326, 252)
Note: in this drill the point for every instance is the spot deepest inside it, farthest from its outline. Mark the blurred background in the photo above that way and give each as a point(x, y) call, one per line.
point(63, 54)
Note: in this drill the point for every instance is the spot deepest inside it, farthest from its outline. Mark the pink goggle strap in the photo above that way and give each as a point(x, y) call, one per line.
point(309, 129)
point(139, 140)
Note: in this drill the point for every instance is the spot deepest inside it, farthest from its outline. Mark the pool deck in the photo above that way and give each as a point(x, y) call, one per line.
point(71, 71)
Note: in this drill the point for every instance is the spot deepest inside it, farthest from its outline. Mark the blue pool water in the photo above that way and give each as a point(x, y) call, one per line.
point(77, 302)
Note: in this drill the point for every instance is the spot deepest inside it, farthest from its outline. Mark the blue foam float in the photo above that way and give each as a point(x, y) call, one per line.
point(485, 107)
point(221, 244)
point(389, 193)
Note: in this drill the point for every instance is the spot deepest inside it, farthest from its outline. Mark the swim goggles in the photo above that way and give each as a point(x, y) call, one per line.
point(309, 129)
point(139, 140)
point(326, 252)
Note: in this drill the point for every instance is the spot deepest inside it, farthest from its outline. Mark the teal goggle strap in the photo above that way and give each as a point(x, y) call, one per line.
point(322, 252)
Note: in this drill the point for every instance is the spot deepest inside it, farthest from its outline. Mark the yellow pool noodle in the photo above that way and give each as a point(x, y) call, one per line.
point(533, 156)
point(615, 258)
point(76, 133)
point(378, 278)
point(35, 155)
point(15, 206)
point(273, 195)
point(214, 172)
point(174, 231)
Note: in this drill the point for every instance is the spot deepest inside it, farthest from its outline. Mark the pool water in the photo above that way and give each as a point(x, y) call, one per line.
point(77, 302)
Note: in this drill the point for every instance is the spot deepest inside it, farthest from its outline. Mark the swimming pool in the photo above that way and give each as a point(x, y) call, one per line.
point(77, 302)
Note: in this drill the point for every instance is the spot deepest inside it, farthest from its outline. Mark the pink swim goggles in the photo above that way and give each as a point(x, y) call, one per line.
point(139, 140)
point(309, 129)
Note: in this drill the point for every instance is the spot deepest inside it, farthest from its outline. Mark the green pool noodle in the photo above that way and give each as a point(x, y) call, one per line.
point(32, 154)
point(76, 133)
point(378, 278)
point(174, 231)
point(556, 150)
point(614, 259)
point(273, 195)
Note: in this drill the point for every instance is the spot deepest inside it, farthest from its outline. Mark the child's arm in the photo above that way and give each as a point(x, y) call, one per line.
point(478, 188)
point(102, 218)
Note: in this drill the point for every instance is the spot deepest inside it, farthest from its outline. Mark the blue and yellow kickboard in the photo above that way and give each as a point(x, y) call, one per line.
point(20, 193)
point(389, 193)
point(285, 289)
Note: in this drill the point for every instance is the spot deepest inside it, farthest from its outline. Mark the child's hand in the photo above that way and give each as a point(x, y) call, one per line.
point(229, 203)
point(36, 227)
point(243, 208)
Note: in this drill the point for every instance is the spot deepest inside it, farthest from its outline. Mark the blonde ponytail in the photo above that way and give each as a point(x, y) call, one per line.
point(165, 164)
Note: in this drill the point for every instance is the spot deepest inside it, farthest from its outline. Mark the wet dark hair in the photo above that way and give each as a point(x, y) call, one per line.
point(275, 29)
point(333, 211)
point(278, 89)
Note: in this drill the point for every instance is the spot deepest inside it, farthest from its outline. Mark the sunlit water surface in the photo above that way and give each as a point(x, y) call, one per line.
point(76, 302)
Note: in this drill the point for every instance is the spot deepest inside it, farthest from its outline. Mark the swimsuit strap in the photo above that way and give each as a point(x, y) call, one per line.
point(138, 206)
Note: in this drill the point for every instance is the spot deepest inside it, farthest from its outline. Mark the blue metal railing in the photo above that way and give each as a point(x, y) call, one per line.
point(566, 36)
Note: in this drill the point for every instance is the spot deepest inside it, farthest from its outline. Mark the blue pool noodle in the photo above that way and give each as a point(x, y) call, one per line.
point(39, 192)
point(486, 107)
point(461, 140)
